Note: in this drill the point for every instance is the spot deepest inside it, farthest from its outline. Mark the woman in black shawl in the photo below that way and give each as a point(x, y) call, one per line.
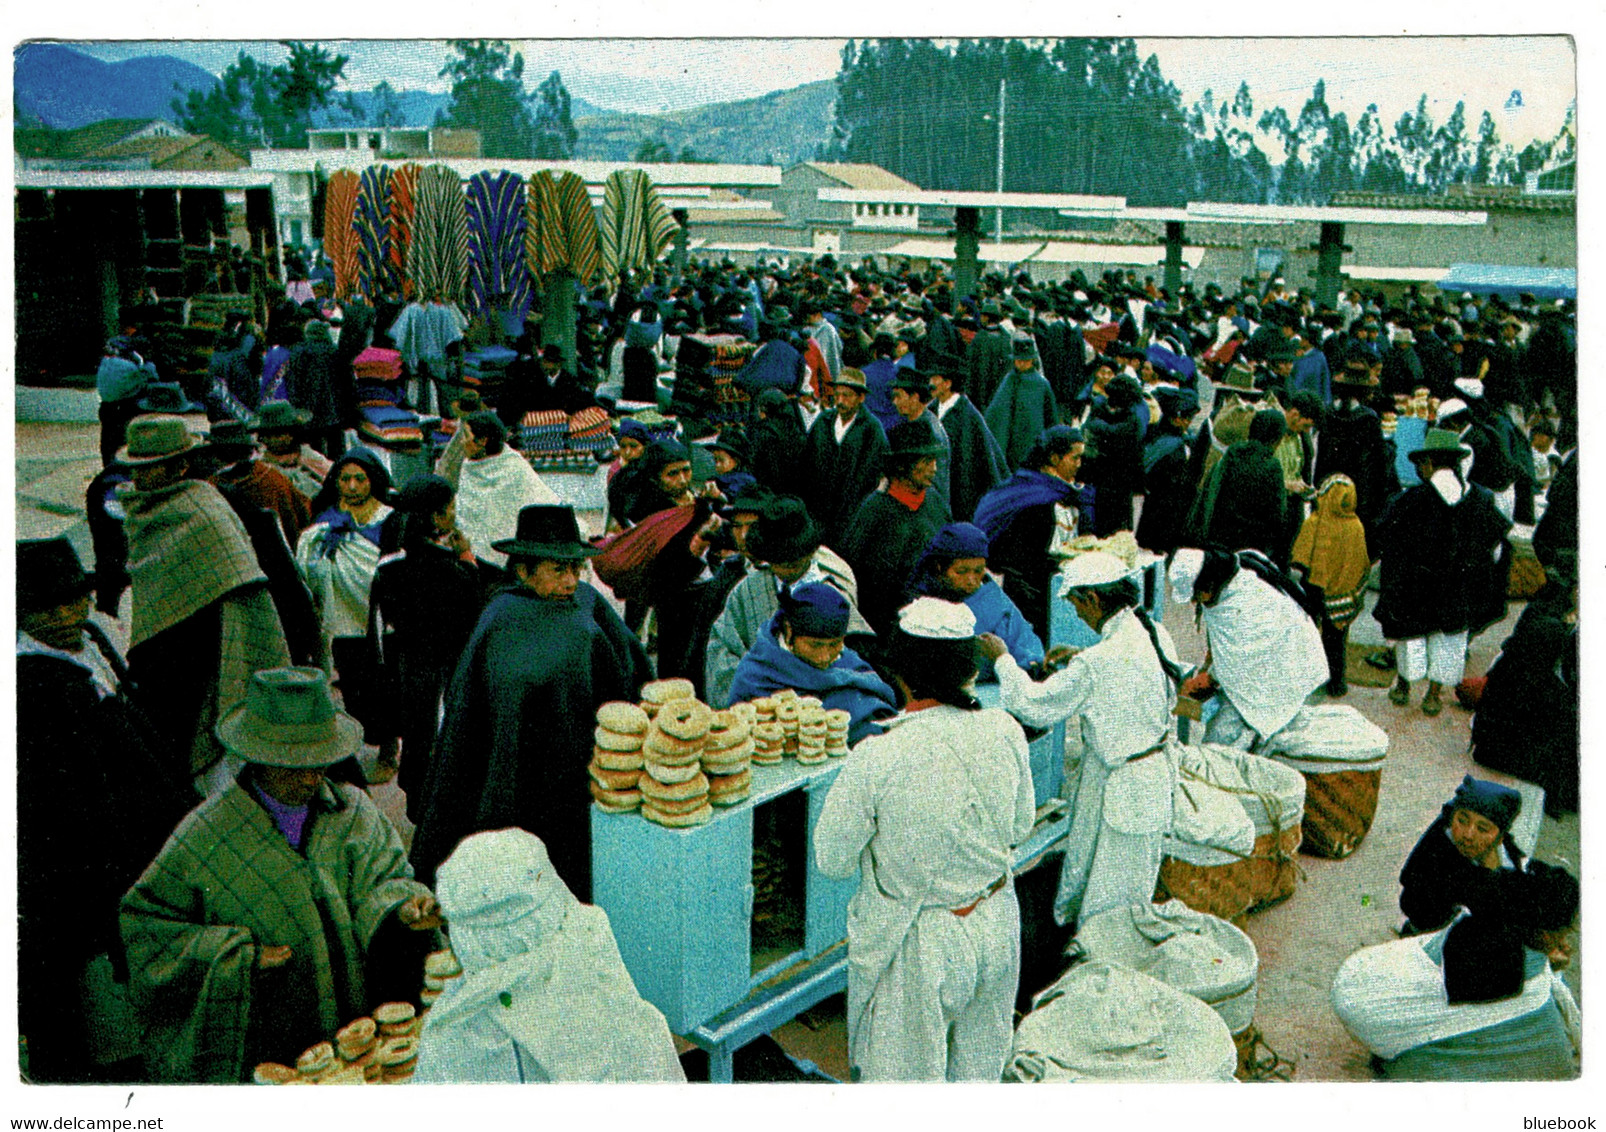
point(659, 478)
point(314, 382)
point(778, 442)
point(1242, 502)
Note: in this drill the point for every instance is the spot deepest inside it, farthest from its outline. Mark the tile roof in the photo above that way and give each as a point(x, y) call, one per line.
point(857, 175)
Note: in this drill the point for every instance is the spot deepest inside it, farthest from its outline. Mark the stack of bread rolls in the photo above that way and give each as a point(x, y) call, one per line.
point(356, 1044)
point(616, 758)
point(811, 736)
point(726, 758)
point(440, 967)
point(674, 790)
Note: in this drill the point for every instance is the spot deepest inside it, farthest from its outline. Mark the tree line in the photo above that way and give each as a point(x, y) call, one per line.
point(1090, 116)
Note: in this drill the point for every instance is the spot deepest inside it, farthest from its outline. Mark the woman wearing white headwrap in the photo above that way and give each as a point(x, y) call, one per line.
point(544, 995)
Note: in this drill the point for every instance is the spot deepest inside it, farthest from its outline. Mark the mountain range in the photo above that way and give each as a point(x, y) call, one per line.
point(58, 87)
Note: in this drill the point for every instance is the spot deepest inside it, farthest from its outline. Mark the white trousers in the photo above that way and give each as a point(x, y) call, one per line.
point(1441, 657)
point(945, 1009)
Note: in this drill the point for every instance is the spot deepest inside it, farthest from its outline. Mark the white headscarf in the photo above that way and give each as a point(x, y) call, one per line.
point(544, 994)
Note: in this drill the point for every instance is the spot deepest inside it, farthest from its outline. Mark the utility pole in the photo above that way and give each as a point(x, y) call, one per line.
point(998, 215)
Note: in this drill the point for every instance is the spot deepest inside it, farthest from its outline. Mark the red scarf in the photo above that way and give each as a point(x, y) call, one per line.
point(910, 499)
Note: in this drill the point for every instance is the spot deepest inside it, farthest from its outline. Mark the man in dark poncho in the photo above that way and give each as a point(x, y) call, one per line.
point(845, 450)
point(1242, 501)
point(1442, 580)
point(1167, 490)
point(893, 527)
point(976, 460)
point(520, 709)
point(1023, 406)
point(1353, 443)
point(911, 396)
point(1022, 516)
point(987, 357)
point(1114, 466)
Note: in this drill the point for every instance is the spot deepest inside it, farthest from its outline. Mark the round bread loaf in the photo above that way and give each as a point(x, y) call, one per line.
point(724, 740)
point(809, 702)
point(838, 720)
point(614, 779)
point(745, 712)
point(272, 1073)
point(683, 806)
point(727, 762)
point(616, 800)
point(768, 732)
point(395, 1014)
point(396, 1051)
point(360, 1031)
point(766, 758)
point(663, 748)
point(727, 783)
point(673, 775)
point(687, 720)
point(663, 691)
point(316, 1060)
point(784, 696)
point(630, 808)
point(722, 720)
point(347, 1075)
point(653, 790)
point(616, 760)
point(812, 758)
point(443, 963)
point(700, 816)
point(614, 741)
point(623, 718)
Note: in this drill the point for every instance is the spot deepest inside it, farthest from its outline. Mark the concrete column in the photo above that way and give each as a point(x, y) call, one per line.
point(1173, 256)
point(1329, 258)
point(967, 243)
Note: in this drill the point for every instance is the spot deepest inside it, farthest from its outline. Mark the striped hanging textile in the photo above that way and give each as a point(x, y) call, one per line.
point(375, 276)
point(339, 235)
point(497, 277)
point(437, 257)
point(561, 229)
point(403, 189)
point(635, 225)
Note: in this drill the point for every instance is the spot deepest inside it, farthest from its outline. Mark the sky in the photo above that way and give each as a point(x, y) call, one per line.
point(650, 76)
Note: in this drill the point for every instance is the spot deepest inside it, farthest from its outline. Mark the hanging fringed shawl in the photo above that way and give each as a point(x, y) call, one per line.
point(636, 227)
point(403, 190)
point(497, 277)
point(339, 235)
point(375, 276)
point(561, 228)
point(437, 258)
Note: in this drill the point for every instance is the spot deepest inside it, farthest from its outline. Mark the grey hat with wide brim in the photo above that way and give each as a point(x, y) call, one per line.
point(289, 719)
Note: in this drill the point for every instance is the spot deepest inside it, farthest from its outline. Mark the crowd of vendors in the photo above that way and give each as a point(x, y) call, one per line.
point(898, 487)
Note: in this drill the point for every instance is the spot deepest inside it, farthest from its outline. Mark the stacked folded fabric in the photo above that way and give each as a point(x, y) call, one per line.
point(589, 431)
point(390, 425)
point(544, 431)
point(487, 364)
point(377, 364)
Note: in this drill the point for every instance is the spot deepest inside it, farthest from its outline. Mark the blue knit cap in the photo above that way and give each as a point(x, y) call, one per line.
point(958, 540)
point(816, 610)
point(635, 430)
point(1500, 804)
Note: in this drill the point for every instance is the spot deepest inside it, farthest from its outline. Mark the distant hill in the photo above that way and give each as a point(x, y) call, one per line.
point(57, 86)
point(784, 126)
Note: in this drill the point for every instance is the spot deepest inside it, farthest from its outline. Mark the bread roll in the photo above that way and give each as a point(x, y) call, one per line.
point(653, 790)
point(700, 816)
point(670, 751)
point(728, 783)
point(672, 775)
point(616, 801)
point(272, 1073)
point(623, 718)
point(663, 691)
point(614, 741)
point(686, 720)
point(614, 779)
point(682, 806)
point(616, 760)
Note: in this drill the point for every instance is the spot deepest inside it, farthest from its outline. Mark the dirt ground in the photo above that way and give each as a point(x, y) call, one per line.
point(1339, 906)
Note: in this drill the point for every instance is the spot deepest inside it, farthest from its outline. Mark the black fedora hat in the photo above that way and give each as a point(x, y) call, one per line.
point(229, 434)
point(912, 380)
point(785, 532)
point(49, 574)
point(913, 440)
point(547, 530)
point(734, 442)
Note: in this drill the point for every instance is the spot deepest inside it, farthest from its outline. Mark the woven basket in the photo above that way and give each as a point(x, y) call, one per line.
point(1339, 807)
point(1235, 889)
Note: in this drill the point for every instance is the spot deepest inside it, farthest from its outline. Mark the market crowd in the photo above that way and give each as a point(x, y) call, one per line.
point(881, 507)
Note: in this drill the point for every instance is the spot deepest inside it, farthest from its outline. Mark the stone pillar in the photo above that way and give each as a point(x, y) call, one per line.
point(1329, 259)
point(967, 243)
point(1173, 256)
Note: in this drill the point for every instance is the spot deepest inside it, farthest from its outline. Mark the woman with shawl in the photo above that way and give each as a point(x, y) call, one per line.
point(1243, 500)
point(338, 557)
point(778, 442)
point(313, 382)
point(1331, 550)
point(544, 995)
point(660, 479)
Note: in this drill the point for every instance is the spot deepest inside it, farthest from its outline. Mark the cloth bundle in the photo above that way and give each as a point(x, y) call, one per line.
point(588, 431)
point(377, 364)
point(546, 431)
point(487, 364)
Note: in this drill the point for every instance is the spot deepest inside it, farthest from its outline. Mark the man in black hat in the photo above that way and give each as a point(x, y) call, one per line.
point(911, 395)
point(254, 481)
point(976, 460)
point(1353, 443)
point(845, 450)
point(565, 391)
point(1023, 405)
point(517, 732)
point(987, 359)
point(783, 543)
point(96, 797)
point(1167, 489)
point(895, 524)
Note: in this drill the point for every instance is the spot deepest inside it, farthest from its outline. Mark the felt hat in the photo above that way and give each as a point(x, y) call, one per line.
point(1440, 440)
point(913, 439)
point(1500, 804)
point(1023, 347)
point(230, 434)
point(281, 416)
point(49, 574)
point(1092, 570)
point(911, 380)
point(1175, 402)
point(162, 397)
point(424, 495)
point(1355, 371)
point(152, 439)
point(852, 378)
point(547, 530)
point(289, 719)
point(816, 610)
point(785, 532)
point(734, 442)
point(1470, 387)
point(1240, 380)
point(754, 498)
